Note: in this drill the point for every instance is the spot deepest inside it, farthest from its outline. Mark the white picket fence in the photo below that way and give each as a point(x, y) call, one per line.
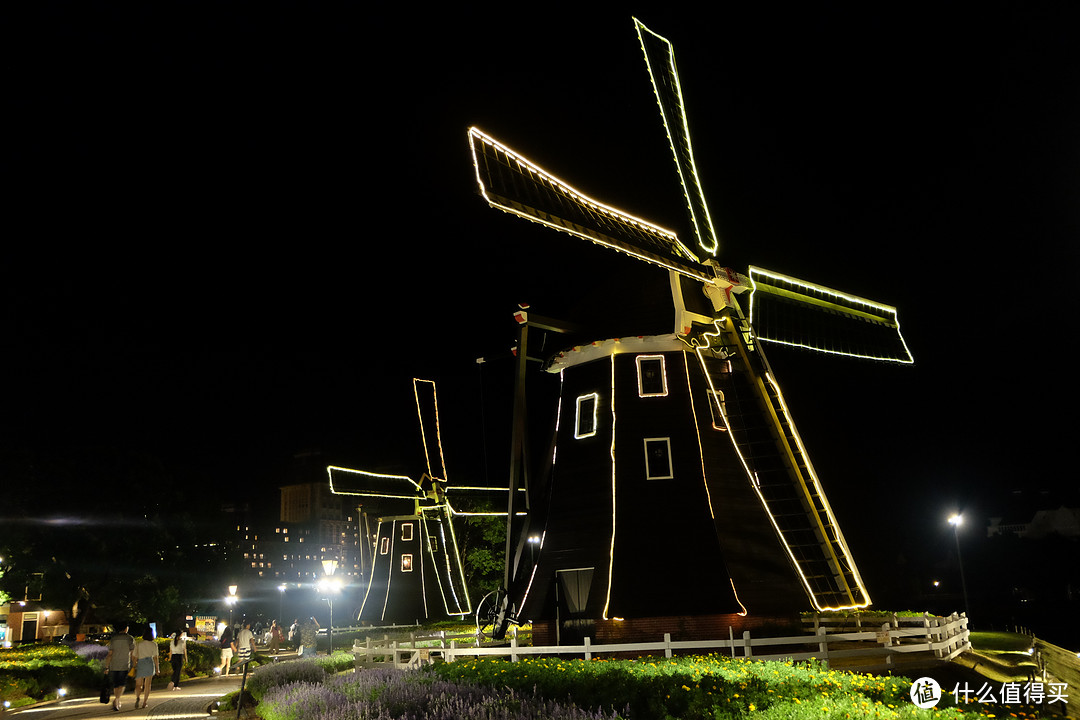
point(848, 643)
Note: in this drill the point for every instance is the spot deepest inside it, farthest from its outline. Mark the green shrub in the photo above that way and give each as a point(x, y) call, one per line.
point(33, 672)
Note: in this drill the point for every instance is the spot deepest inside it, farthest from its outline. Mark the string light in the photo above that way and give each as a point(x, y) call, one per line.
point(688, 176)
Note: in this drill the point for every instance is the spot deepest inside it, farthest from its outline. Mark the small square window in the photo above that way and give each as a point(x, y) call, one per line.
point(658, 459)
point(585, 422)
point(406, 532)
point(384, 547)
point(406, 563)
point(651, 377)
point(433, 543)
point(718, 410)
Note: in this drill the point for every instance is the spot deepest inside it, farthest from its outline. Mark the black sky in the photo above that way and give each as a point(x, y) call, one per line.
point(237, 232)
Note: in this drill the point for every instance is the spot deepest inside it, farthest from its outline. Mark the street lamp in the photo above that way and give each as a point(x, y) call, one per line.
point(330, 585)
point(230, 600)
point(281, 602)
point(956, 521)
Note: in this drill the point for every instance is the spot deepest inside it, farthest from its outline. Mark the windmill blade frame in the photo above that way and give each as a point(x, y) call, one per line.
point(383, 478)
point(512, 183)
point(660, 62)
point(838, 322)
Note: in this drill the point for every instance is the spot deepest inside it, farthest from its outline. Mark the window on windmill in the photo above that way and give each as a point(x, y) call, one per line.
point(406, 563)
point(718, 410)
point(433, 543)
point(585, 422)
point(651, 378)
point(406, 531)
point(384, 546)
point(658, 459)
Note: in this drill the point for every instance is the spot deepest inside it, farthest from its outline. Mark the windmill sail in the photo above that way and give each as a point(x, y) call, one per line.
point(660, 60)
point(788, 311)
point(512, 183)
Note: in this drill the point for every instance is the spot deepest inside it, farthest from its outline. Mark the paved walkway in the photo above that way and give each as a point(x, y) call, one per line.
point(189, 702)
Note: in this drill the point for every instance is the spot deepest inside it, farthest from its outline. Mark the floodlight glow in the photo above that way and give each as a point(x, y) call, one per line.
point(956, 520)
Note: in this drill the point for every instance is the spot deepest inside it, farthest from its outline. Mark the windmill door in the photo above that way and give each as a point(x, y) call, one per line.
point(572, 597)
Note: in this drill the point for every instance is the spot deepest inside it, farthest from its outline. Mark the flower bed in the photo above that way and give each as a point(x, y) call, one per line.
point(392, 694)
point(700, 687)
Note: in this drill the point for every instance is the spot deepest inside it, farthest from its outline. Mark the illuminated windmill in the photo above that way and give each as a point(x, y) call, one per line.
point(685, 434)
point(416, 572)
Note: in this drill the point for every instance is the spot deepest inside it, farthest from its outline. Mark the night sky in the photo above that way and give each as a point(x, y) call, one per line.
point(236, 233)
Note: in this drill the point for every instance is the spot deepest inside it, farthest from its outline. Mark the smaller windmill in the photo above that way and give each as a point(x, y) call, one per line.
point(416, 571)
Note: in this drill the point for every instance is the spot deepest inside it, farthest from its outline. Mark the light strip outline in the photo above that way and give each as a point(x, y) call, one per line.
point(670, 463)
point(585, 200)
point(764, 504)
point(888, 309)
point(578, 435)
point(438, 429)
point(611, 453)
point(697, 432)
point(330, 472)
point(663, 376)
point(710, 244)
point(820, 492)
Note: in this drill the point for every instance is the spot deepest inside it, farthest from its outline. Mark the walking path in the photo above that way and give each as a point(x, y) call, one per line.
point(188, 703)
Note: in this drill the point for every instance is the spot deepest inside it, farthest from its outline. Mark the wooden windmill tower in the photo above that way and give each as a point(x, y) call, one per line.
point(678, 486)
point(416, 572)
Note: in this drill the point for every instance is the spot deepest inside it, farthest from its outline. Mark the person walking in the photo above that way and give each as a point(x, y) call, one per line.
point(309, 632)
point(293, 629)
point(177, 657)
point(228, 646)
point(146, 666)
point(245, 645)
point(275, 638)
point(118, 662)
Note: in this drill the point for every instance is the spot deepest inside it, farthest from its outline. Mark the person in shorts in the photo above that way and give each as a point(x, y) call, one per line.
point(118, 662)
point(146, 667)
point(228, 647)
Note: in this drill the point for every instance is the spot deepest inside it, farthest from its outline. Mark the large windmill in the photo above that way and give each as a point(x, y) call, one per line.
point(678, 486)
point(416, 572)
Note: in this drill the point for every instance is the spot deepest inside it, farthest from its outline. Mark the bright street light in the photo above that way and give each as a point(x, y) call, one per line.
point(331, 586)
point(230, 600)
point(956, 520)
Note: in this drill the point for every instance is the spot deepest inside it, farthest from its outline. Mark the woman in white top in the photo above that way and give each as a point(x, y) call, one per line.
point(146, 666)
point(177, 657)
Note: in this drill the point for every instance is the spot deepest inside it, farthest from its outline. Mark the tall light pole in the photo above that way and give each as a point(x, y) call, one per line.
point(230, 600)
point(331, 586)
point(956, 521)
point(281, 602)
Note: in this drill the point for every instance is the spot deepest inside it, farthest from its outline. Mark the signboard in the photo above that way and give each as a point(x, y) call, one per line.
point(206, 624)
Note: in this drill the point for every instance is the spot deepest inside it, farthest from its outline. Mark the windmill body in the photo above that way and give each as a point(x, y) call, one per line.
point(412, 576)
point(678, 485)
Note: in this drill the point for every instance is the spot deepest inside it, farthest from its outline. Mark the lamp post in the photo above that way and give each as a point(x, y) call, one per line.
point(330, 585)
point(281, 602)
point(956, 521)
point(230, 600)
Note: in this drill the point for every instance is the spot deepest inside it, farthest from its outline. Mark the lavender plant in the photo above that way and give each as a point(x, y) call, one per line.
point(282, 674)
